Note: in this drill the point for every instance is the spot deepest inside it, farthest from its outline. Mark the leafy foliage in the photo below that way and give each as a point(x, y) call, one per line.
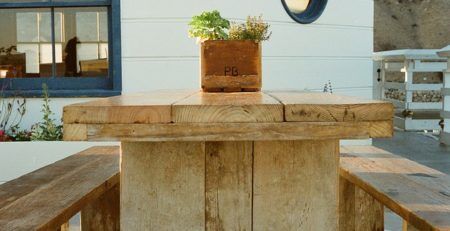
point(253, 29)
point(209, 26)
point(47, 129)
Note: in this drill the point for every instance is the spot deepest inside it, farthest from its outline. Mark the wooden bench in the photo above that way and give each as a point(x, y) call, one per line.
point(372, 178)
point(47, 198)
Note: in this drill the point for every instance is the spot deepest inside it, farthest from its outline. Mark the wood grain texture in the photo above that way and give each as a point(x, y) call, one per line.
point(47, 198)
point(238, 131)
point(227, 107)
point(323, 107)
point(75, 132)
point(152, 107)
point(420, 195)
point(230, 65)
point(358, 210)
point(162, 186)
point(103, 213)
point(228, 186)
point(296, 185)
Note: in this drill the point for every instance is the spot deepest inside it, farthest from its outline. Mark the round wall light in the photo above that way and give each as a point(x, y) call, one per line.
point(304, 11)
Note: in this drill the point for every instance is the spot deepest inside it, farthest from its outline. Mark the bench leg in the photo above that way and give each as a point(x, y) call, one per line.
point(358, 210)
point(408, 227)
point(103, 214)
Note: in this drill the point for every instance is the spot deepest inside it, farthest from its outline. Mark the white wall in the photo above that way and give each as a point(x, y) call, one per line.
point(157, 52)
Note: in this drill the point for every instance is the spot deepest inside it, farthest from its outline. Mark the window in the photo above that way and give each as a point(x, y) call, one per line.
point(304, 11)
point(73, 46)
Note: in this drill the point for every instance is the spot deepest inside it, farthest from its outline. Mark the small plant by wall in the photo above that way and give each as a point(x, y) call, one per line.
point(47, 129)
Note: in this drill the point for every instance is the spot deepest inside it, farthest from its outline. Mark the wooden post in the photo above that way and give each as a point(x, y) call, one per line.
point(162, 186)
point(104, 213)
point(229, 185)
point(296, 185)
point(358, 211)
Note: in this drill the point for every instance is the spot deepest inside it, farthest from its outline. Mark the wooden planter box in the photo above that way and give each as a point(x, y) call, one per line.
point(230, 65)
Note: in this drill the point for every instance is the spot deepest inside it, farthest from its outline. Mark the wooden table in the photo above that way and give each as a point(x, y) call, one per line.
point(228, 161)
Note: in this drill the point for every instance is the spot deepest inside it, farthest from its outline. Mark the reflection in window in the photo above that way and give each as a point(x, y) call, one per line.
point(297, 6)
point(24, 42)
point(86, 42)
point(79, 38)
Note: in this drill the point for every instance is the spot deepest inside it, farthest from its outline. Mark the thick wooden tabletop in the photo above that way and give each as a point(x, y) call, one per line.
point(183, 115)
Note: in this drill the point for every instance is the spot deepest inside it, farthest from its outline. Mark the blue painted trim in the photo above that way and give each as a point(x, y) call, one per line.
point(115, 38)
point(54, 4)
point(311, 14)
point(61, 93)
point(70, 86)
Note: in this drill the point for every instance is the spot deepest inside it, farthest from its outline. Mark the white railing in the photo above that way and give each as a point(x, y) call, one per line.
point(445, 114)
point(409, 63)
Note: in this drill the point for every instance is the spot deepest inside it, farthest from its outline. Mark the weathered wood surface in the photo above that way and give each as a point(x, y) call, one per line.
point(296, 185)
point(229, 185)
point(420, 195)
point(230, 65)
point(193, 116)
point(228, 107)
point(103, 213)
point(232, 131)
point(153, 107)
point(163, 186)
point(323, 107)
point(47, 198)
point(358, 210)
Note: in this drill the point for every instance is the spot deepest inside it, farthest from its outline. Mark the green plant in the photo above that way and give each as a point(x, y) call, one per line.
point(47, 129)
point(209, 26)
point(253, 29)
point(12, 111)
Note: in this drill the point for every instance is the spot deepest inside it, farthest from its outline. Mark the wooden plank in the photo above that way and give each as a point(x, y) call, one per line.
point(358, 210)
point(162, 186)
point(47, 198)
point(227, 108)
point(324, 107)
point(239, 131)
point(416, 193)
point(228, 185)
point(296, 185)
point(75, 132)
point(152, 107)
point(103, 213)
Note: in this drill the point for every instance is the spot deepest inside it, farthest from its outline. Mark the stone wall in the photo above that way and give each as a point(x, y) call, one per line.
point(413, 24)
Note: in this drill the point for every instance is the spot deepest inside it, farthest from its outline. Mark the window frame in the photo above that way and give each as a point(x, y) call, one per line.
point(60, 86)
point(311, 13)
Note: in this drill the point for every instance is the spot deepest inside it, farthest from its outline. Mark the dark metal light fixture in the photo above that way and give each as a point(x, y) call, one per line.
point(304, 11)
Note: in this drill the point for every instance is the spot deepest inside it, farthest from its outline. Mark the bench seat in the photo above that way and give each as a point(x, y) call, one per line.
point(48, 197)
point(419, 194)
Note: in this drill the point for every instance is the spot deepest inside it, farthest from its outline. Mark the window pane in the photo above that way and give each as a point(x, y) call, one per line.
point(25, 45)
point(84, 42)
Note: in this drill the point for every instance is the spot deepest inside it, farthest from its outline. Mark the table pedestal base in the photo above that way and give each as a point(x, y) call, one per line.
point(245, 185)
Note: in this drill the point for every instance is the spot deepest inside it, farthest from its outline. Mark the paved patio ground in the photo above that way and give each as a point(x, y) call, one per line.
point(423, 148)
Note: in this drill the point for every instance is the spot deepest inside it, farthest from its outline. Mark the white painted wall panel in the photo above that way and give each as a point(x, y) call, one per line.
point(338, 12)
point(160, 38)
